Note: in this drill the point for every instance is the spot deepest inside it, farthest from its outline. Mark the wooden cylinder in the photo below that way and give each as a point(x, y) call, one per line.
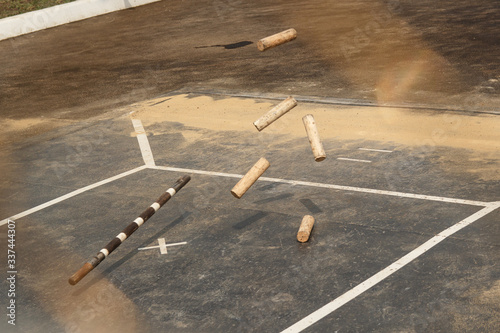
point(128, 231)
point(250, 178)
point(305, 228)
point(277, 39)
point(314, 140)
point(82, 272)
point(275, 113)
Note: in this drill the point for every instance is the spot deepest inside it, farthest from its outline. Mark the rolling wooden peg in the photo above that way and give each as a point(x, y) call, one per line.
point(275, 113)
point(276, 39)
point(314, 140)
point(305, 228)
point(250, 178)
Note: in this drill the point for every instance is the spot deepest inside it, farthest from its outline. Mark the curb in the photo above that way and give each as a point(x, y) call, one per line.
point(69, 12)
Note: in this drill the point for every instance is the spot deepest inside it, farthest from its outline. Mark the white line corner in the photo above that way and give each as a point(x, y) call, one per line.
point(386, 272)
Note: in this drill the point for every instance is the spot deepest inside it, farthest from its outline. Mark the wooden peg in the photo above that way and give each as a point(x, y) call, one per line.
point(305, 228)
point(314, 140)
point(275, 113)
point(276, 39)
point(250, 178)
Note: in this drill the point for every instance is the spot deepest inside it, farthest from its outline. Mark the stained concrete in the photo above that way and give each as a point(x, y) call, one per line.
point(242, 269)
point(65, 101)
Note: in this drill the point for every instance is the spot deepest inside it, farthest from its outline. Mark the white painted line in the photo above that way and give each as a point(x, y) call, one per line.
point(148, 248)
point(147, 154)
point(353, 160)
point(71, 194)
point(377, 150)
point(158, 246)
point(199, 172)
point(175, 244)
point(386, 272)
point(331, 186)
point(162, 245)
point(57, 15)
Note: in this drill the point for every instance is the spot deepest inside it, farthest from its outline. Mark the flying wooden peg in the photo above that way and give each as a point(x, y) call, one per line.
point(250, 178)
point(276, 112)
point(314, 140)
point(276, 39)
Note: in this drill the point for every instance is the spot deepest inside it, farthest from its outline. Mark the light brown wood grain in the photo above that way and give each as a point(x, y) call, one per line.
point(276, 112)
point(314, 140)
point(80, 274)
point(250, 178)
point(305, 228)
point(276, 39)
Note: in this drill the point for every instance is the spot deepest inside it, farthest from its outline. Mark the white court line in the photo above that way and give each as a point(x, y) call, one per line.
point(331, 186)
point(377, 150)
point(71, 194)
point(162, 246)
point(142, 138)
point(386, 272)
point(353, 160)
point(158, 246)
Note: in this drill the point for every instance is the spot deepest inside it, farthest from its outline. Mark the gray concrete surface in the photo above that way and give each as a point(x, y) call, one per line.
point(442, 53)
point(65, 96)
point(242, 269)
